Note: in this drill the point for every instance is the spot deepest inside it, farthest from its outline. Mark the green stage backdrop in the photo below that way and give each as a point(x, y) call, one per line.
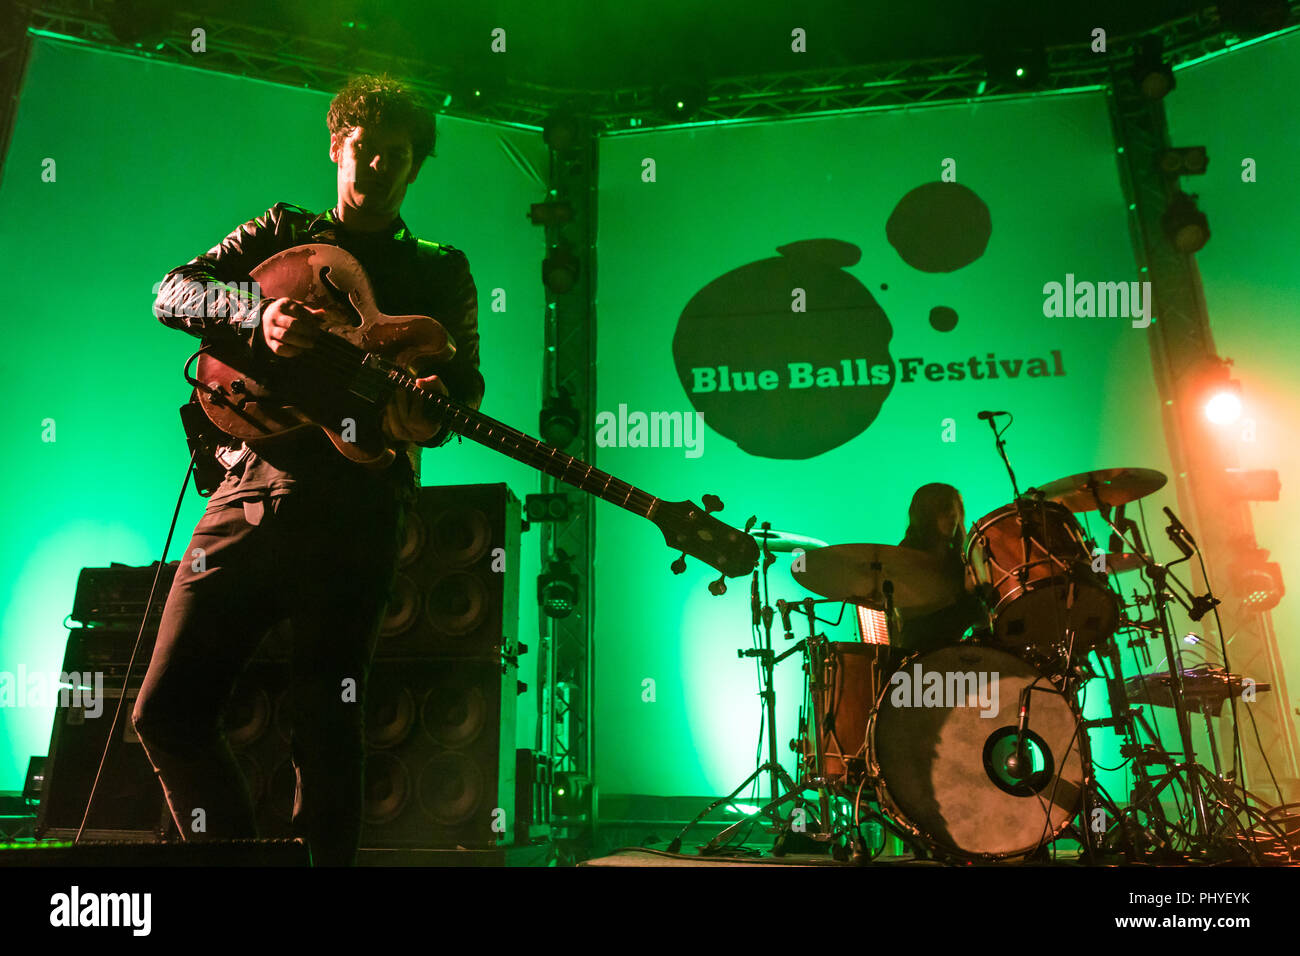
point(153, 165)
point(919, 242)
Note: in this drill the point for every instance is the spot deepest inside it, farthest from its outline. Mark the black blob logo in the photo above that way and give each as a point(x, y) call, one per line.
point(780, 383)
point(939, 227)
point(943, 319)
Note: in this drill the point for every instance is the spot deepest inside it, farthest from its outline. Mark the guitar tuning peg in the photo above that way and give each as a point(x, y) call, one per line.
point(679, 565)
point(719, 587)
point(712, 503)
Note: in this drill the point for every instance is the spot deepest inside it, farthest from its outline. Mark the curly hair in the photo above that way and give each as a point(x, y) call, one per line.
point(372, 100)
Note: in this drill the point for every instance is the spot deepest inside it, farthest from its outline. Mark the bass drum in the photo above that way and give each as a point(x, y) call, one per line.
point(938, 747)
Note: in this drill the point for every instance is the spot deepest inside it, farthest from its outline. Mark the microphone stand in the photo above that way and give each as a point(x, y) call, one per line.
point(1002, 450)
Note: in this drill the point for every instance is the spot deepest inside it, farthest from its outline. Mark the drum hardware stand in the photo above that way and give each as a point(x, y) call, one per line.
point(780, 781)
point(920, 848)
point(1122, 719)
point(1198, 782)
point(822, 828)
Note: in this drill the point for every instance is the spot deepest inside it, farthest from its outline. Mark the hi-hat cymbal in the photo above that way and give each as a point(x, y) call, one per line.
point(785, 541)
point(857, 572)
point(1112, 486)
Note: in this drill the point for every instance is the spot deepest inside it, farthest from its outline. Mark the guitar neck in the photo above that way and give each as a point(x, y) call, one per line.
point(498, 436)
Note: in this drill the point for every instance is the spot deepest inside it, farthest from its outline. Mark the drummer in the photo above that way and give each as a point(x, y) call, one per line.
point(936, 524)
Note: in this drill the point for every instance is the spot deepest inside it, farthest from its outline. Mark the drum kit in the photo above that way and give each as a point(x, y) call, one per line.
point(975, 750)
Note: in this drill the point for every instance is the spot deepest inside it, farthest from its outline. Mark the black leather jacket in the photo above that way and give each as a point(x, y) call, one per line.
point(409, 276)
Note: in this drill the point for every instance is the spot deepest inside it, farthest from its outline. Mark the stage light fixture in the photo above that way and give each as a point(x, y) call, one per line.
point(1223, 406)
point(559, 420)
point(572, 795)
point(560, 269)
point(1257, 581)
point(557, 587)
point(555, 213)
point(1153, 75)
point(540, 508)
point(1184, 161)
point(1184, 225)
point(562, 131)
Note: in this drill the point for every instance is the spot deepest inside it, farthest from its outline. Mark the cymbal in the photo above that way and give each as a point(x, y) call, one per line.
point(1114, 486)
point(785, 541)
point(856, 573)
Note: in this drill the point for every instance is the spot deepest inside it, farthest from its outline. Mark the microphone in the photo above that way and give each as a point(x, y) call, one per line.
point(784, 608)
point(755, 604)
point(1179, 525)
point(988, 416)
point(1178, 534)
point(1018, 763)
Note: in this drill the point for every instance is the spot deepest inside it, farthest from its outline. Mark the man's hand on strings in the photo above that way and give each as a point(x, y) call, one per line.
point(290, 327)
point(404, 418)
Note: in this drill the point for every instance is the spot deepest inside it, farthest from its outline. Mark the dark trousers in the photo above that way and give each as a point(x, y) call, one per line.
point(324, 562)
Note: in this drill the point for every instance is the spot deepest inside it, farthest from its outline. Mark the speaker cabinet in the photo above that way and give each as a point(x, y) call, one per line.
point(440, 770)
point(129, 802)
point(456, 592)
point(440, 705)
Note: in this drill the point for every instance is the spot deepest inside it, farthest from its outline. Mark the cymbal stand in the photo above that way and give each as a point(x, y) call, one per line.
point(779, 780)
point(817, 824)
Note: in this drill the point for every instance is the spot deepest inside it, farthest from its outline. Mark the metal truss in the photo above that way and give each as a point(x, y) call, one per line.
point(301, 61)
point(1181, 344)
point(570, 364)
point(15, 51)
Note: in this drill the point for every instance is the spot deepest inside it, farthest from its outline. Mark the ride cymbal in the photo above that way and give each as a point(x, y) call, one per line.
point(1109, 486)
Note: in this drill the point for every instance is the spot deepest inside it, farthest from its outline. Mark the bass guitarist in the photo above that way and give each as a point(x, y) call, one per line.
point(296, 531)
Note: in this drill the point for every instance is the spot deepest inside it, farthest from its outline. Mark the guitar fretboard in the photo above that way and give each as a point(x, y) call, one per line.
point(548, 459)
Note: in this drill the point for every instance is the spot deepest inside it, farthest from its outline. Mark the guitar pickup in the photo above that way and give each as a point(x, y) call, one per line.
point(366, 387)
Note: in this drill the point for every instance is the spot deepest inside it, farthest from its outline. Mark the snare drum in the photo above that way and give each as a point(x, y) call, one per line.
point(1033, 557)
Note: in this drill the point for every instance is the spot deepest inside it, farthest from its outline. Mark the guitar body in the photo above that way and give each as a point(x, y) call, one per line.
point(263, 397)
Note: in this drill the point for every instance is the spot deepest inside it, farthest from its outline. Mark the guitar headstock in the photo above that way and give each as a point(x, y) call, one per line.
point(693, 530)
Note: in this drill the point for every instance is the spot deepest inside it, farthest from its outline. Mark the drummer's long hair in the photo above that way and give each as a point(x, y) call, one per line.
point(923, 514)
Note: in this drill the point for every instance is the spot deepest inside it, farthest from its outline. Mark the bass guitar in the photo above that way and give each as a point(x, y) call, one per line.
point(342, 384)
